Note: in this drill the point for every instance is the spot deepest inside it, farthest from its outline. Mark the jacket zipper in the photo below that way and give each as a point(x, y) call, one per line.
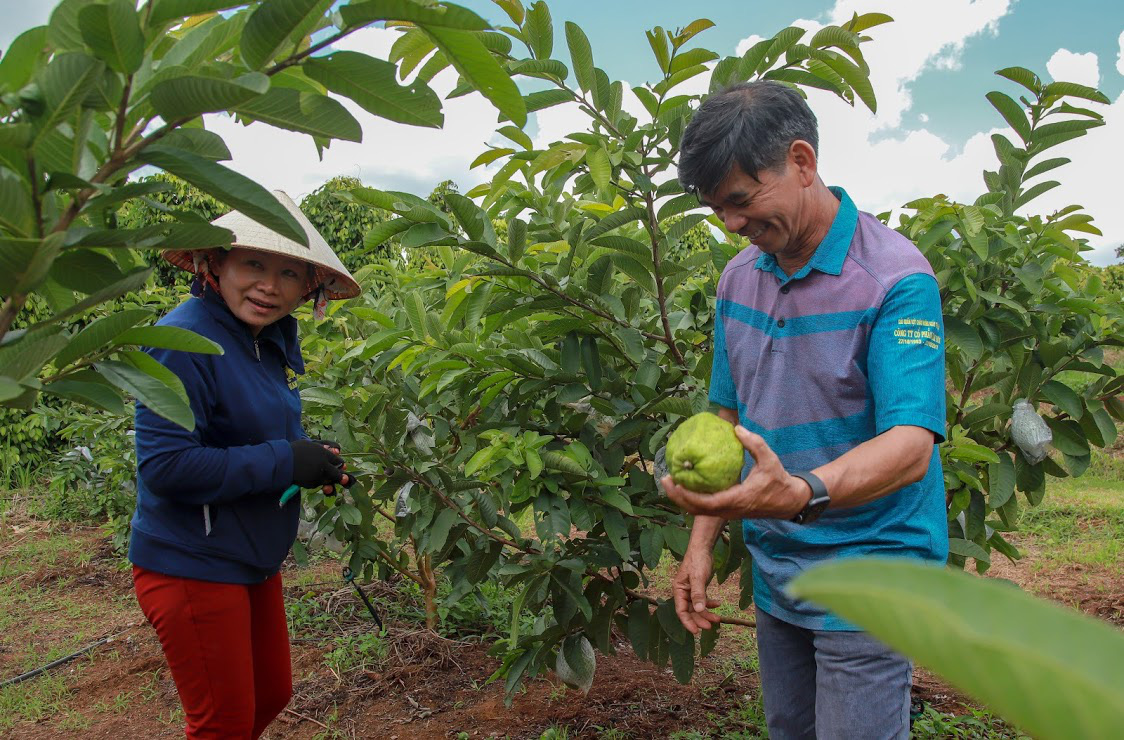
point(257, 351)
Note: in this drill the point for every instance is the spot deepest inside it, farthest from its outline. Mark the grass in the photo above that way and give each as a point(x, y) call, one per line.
point(976, 724)
point(34, 700)
point(1079, 522)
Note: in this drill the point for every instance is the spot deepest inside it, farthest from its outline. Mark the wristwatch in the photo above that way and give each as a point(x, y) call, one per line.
point(820, 499)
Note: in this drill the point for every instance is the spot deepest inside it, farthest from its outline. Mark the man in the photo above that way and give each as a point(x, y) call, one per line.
point(828, 355)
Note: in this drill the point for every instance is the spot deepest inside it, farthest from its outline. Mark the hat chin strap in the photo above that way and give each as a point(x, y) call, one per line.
point(320, 303)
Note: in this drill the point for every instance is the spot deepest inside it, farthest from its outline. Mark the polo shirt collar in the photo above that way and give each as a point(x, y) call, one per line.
point(832, 251)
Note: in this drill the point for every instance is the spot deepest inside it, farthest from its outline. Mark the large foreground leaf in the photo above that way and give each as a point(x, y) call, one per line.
point(167, 10)
point(153, 392)
point(453, 16)
point(191, 95)
point(278, 24)
point(236, 190)
point(481, 70)
point(1050, 670)
point(371, 83)
point(113, 31)
point(304, 112)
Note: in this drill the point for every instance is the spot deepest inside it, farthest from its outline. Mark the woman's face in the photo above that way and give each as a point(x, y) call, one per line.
point(259, 287)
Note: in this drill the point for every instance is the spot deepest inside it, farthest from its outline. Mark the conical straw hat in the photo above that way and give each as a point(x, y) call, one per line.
point(249, 234)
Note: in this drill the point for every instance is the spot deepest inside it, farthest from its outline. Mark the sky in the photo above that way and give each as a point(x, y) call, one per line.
point(930, 69)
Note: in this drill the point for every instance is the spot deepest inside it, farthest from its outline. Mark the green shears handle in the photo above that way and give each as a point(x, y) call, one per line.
point(291, 491)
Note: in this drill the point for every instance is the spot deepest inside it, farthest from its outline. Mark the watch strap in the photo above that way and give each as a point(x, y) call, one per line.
point(820, 497)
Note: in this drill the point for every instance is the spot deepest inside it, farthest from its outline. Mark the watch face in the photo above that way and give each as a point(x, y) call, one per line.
point(815, 508)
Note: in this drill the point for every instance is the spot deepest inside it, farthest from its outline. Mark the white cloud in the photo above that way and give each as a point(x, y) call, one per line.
point(885, 162)
point(392, 156)
point(1120, 55)
point(1069, 66)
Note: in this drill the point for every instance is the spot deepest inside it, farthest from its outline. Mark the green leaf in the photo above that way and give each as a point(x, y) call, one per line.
point(303, 112)
point(1069, 437)
point(132, 281)
point(1001, 481)
point(65, 83)
point(149, 365)
point(169, 337)
point(24, 359)
point(152, 392)
point(854, 76)
point(113, 31)
point(415, 312)
point(1012, 113)
point(481, 561)
point(964, 336)
point(383, 231)
point(576, 663)
point(481, 70)
point(539, 30)
point(21, 58)
point(99, 395)
point(1074, 90)
point(350, 514)
point(278, 24)
point(639, 619)
point(1063, 397)
point(9, 389)
point(195, 140)
point(693, 29)
point(591, 361)
point(581, 56)
point(440, 16)
point(1022, 76)
point(439, 530)
point(85, 271)
point(683, 658)
point(1034, 192)
point(191, 95)
point(616, 529)
point(372, 84)
point(425, 234)
point(17, 214)
point(968, 549)
point(169, 10)
point(236, 190)
point(99, 333)
point(992, 641)
point(599, 168)
point(63, 31)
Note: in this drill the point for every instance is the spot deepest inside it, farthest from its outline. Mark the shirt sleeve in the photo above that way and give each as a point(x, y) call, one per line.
point(176, 464)
point(905, 357)
point(722, 391)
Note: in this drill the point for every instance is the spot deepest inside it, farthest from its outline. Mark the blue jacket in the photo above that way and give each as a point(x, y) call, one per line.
point(207, 500)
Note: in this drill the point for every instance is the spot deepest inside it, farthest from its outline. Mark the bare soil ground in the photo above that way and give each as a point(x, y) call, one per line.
point(61, 588)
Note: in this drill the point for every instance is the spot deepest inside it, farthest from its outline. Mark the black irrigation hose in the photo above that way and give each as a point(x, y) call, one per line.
point(350, 578)
point(55, 663)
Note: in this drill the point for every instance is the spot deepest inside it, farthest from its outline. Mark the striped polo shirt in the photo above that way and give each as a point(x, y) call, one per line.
point(819, 362)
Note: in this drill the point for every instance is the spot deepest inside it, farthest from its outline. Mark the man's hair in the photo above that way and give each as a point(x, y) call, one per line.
point(752, 125)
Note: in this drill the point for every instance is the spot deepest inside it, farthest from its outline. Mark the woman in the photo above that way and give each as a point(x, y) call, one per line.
point(208, 535)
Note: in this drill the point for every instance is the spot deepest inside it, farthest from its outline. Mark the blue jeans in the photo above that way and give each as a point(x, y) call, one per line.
point(830, 685)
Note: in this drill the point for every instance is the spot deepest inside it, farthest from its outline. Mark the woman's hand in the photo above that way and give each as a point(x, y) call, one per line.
point(348, 480)
point(317, 464)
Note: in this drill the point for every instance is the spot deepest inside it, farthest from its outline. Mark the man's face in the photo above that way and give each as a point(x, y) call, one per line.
point(259, 287)
point(767, 211)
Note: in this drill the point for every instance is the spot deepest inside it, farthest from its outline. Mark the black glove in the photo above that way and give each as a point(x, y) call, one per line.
point(314, 465)
point(328, 443)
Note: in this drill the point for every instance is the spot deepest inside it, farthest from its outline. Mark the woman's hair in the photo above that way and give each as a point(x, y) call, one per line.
point(752, 125)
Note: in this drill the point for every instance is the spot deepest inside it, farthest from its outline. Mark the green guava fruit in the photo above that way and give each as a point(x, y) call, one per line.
point(704, 455)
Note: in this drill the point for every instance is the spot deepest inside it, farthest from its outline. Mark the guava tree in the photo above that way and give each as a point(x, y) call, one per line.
point(1025, 318)
point(513, 393)
point(106, 88)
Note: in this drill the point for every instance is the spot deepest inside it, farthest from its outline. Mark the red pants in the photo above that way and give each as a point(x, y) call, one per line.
point(228, 647)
